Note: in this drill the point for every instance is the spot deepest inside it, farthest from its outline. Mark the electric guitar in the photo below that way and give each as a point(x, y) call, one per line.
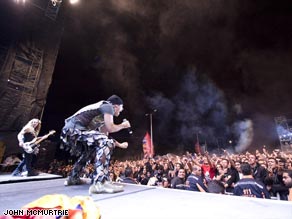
point(32, 146)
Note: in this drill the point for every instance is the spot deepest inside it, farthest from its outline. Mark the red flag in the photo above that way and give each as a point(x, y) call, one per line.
point(147, 147)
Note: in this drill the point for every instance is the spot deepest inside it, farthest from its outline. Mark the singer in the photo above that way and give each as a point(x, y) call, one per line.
point(85, 134)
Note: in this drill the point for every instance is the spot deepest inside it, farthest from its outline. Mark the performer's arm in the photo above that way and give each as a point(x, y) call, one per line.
point(123, 145)
point(20, 138)
point(111, 127)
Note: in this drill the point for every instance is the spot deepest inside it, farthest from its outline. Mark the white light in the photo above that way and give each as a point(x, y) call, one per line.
point(74, 1)
point(55, 2)
point(17, 1)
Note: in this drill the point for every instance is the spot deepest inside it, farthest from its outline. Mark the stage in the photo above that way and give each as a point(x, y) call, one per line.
point(146, 202)
point(7, 178)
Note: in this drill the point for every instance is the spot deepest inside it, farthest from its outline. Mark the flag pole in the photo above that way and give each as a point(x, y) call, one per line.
point(151, 128)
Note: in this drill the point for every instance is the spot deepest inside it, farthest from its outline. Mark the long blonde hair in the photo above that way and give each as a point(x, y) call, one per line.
point(29, 127)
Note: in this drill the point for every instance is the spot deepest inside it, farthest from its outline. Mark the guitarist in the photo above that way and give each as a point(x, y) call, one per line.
point(27, 134)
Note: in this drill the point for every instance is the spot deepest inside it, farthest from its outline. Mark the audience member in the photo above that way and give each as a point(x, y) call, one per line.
point(195, 181)
point(216, 186)
point(287, 179)
point(178, 182)
point(248, 186)
point(230, 176)
point(275, 174)
point(128, 178)
point(258, 172)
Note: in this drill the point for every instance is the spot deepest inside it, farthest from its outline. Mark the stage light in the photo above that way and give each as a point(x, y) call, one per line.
point(17, 1)
point(74, 1)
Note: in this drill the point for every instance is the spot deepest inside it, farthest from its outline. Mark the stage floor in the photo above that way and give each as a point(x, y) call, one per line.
point(149, 202)
point(7, 178)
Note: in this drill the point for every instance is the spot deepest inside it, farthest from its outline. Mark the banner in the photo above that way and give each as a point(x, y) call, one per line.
point(148, 148)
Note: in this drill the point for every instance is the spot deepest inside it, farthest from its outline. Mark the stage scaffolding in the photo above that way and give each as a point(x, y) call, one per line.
point(29, 43)
point(284, 131)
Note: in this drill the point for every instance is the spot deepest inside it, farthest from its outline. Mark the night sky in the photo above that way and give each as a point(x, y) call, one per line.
point(220, 69)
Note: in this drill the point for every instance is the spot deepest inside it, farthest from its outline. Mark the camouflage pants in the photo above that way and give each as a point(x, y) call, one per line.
point(102, 160)
point(102, 152)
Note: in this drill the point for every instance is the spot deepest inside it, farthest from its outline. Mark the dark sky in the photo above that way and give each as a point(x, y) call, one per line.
point(220, 69)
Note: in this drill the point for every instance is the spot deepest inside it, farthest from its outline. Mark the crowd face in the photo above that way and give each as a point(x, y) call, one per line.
point(205, 162)
point(251, 159)
point(181, 173)
point(165, 166)
point(177, 166)
point(165, 184)
point(289, 165)
point(237, 166)
point(197, 170)
point(287, 180)
point(281, 165)
point(112, 176)
point(272, 164)
point(224, 164)
point(148, 174)
point(219, 167)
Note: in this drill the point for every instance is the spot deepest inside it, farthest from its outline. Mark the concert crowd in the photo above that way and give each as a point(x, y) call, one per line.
point(222, 174)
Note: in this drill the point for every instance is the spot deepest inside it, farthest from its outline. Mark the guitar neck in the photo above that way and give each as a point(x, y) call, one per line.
point(41, 139)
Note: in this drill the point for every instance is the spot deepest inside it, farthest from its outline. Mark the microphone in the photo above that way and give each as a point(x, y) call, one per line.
point(129, 129)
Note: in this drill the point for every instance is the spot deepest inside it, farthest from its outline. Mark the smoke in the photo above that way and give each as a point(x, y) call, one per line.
point(244, 129)
point(132, 39)
point(164, 111)
point(199, 107)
